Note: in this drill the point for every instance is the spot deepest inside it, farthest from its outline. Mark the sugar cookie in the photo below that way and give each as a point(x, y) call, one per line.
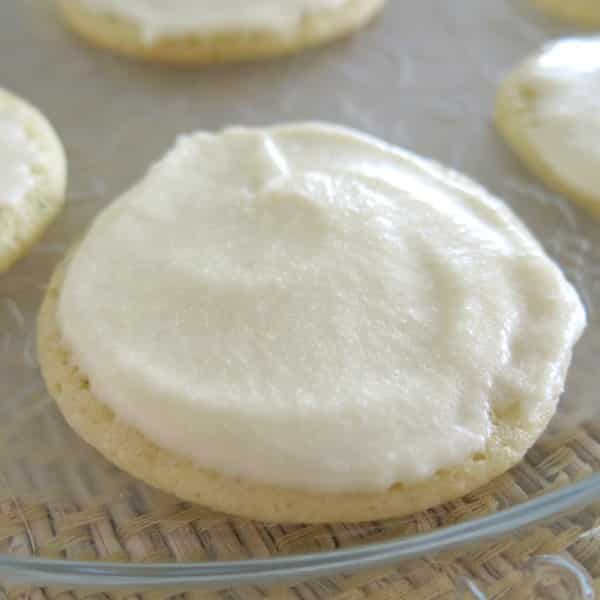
point(189, 32)
point(32, 177)
point(547, 110)
point(303, 323)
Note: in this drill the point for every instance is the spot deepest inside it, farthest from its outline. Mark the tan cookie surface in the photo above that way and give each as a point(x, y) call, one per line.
point(125, 37)
point(580, 12)
point(131, 451)
point(22, 224)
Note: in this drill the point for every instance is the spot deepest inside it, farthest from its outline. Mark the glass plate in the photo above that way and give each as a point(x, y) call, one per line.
point(423, 76)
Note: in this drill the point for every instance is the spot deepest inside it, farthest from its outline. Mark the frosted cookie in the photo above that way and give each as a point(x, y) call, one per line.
point(32, 177)
point(214, 31)
point(547, 110)
point(579, 12)
point(303, 323)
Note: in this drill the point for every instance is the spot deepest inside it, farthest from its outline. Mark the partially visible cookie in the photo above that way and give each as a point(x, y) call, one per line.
point(580, 12)
point(191, 34)
point(32, 177)
point(547, 111)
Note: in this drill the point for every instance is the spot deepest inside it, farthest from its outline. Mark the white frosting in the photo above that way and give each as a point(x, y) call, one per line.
point(308, 307)
point(19, 157)
point(160, 18)
point(563, 114)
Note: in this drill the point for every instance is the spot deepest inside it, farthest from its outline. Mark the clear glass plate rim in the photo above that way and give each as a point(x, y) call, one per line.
point(80, 573)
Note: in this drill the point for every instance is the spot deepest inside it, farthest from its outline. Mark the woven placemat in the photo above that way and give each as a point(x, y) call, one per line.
point(60, 499)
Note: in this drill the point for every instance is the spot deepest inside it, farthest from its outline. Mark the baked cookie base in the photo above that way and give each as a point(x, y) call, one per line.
point(585, 13)
point(127, 448)
point(125, 37)
point(21, 226)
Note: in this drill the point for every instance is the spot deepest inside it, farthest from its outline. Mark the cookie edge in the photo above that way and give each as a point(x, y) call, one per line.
point(510, 117)
point(580, 16)
point(124, 37)
point(48, 196)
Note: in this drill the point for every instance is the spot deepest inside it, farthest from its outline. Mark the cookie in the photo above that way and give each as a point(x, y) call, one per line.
point(32, 177)
point(330, 328)
point(547, 112)
point(238, 34)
